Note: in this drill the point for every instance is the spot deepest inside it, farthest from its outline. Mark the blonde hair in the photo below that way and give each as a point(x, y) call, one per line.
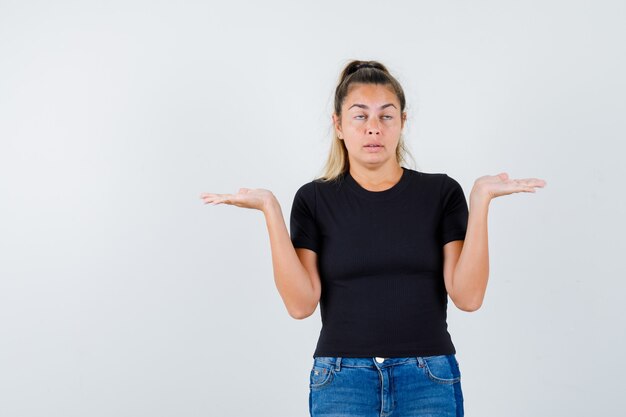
point(363, 72)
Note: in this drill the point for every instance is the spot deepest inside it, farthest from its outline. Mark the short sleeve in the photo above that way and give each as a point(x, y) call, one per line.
point(454, 211)
point(303, 226)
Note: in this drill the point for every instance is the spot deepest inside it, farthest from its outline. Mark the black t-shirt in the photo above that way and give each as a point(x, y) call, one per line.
point(380, 259)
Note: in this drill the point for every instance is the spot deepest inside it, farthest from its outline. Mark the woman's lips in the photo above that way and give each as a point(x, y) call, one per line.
point(373, 148)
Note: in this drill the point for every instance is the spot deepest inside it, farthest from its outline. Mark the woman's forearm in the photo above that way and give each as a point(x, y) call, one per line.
point(291, 278)
point(469, 281)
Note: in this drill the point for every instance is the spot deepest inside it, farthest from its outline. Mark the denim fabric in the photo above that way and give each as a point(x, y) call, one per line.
point(399, 387)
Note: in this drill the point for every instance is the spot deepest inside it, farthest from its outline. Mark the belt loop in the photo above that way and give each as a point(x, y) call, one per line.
point(420, 361)
point(338, 364)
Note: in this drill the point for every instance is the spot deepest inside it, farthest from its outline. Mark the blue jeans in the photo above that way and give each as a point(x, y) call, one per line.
point(378, 387)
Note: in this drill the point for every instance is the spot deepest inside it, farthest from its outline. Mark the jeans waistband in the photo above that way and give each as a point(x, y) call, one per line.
point(371, 362)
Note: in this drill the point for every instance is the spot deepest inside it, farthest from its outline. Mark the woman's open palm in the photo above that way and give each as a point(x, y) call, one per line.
point(498, 185)
point(252, 198)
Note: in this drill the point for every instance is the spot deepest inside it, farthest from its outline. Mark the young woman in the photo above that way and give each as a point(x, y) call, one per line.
point(380, 247)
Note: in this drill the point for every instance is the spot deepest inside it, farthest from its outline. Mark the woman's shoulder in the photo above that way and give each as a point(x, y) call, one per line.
point(437, 182)
point(310, 189)
point(437, 177)
point(322, 184)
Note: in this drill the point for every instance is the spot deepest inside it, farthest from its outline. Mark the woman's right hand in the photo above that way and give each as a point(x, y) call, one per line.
point(252, 198)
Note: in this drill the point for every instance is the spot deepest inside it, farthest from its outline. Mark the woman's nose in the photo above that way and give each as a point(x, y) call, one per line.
point(372, 127)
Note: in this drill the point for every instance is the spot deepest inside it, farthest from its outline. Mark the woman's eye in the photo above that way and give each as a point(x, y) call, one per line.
point(361, 115)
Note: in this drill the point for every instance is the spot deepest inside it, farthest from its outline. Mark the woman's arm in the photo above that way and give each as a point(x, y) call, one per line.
point(299, 288)
point(295, 274)
point(466, 262)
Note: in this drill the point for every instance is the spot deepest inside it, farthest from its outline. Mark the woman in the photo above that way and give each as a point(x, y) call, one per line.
point(381, 247)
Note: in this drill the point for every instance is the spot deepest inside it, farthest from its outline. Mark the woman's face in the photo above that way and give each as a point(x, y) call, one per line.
point(371, 124)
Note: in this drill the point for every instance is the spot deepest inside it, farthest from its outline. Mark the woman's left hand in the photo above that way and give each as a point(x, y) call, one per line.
point(491, 186)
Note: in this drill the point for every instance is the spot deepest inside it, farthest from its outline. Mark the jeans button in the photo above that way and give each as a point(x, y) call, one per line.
point(380, 360)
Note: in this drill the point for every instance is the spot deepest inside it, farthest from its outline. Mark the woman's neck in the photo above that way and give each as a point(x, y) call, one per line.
point(379, 179)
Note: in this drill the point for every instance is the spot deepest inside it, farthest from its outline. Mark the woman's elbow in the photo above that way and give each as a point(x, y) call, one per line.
point(300, 314)
point(304, 310)
point(469, 306)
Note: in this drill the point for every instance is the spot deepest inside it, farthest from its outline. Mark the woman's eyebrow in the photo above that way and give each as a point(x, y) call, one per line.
point(363, 106)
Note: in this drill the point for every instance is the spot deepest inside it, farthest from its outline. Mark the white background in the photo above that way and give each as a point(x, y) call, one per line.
point(121, 294)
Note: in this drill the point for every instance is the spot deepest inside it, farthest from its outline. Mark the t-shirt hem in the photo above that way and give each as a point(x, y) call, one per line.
point(388, 354)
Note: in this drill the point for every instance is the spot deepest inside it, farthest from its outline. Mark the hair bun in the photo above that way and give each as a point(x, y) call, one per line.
point(357, 65)
point(364, 65)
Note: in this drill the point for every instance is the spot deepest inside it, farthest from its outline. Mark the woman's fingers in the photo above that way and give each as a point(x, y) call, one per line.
point(213, 199)
point(519, 185)
point(245, 197)
point(532, 182)
point(500, 184)
point(252, 198)
point(529, 184)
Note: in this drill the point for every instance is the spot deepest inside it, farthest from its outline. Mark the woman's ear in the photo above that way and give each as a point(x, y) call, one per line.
point(337, 126)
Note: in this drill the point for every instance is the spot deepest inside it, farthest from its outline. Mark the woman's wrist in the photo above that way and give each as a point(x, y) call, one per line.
point(479, 198)
point(270, 204)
